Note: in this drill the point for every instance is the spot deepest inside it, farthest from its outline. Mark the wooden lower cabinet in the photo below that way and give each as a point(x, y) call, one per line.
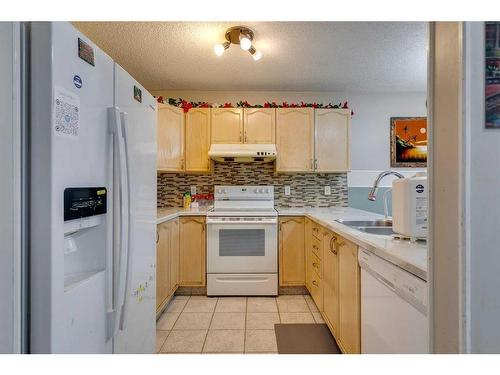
point(192, 239)
point(349, 296)
point(331, 283)
point(291, 251)
point(167, 262)
point(174, 255)
point(333, 280)
point(308, 251)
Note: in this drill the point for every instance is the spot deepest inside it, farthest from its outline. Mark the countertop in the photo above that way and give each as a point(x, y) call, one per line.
point(165, 214)
point(410, 256)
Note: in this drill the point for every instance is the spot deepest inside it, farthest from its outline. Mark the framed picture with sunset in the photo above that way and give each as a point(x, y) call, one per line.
point(409, 142)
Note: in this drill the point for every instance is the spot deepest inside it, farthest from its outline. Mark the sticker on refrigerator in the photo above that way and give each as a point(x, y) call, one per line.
point(85, 52)
point(66, 115)
point(137, 94)
point(77, 81)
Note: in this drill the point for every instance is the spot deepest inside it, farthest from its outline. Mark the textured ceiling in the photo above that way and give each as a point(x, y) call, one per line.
point(297, 56)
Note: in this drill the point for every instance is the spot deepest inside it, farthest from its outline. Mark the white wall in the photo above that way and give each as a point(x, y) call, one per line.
point(482, 218)
point(370, 133)
point(9, 194)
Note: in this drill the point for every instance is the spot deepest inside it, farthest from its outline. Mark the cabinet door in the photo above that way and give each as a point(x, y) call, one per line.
point(192, 251)
point(331, 139)
point(227, 125)
point(170, 138)
point(162, 264)
point(295, 139)
point(174, 255)
point(350, 300)
point(259, 125)
point(291, 247)
point(197, 140)
point(331, 282)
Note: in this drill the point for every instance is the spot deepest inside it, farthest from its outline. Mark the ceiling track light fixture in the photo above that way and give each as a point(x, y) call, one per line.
point(238, 35)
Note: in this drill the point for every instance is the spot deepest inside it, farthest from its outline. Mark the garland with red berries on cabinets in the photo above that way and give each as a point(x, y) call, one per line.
point(186, 106)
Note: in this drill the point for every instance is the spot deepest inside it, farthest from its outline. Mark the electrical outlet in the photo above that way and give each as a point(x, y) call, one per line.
point(328, 190)
point(193, 190)
point(287, 189)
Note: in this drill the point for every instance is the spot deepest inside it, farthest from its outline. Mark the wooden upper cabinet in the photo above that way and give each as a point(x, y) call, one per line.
point(170, 138)
point(197, 140)
point(291, 251)
point(227, 125)
point(349, 296)
point(295, 139)
point(192, 251)
point(331, 140)
point(259, 125)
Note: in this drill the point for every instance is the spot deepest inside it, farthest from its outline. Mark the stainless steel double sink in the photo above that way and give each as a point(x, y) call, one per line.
point(380, 227)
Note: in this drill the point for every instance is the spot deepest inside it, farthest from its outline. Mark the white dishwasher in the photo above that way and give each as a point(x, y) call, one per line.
point(393, 308)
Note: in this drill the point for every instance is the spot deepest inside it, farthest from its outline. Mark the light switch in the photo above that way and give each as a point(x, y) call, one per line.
point(328, 190)
point(193, 190)
point(287, 189)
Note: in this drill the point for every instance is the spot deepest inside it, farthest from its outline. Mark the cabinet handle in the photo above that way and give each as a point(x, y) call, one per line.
point(315, 283)
point(315, 163)
point(312, 164)
point(240, 135)
point(157, 236)
point(245, 137)
point(182, 163)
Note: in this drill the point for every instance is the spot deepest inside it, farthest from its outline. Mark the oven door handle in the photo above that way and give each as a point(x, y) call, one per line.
point(242, 222)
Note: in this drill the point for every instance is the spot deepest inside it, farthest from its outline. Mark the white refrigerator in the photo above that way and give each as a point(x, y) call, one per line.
point(92, 199)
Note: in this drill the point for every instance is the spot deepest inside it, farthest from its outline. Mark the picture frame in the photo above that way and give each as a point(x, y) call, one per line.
point(408, 142)
point(492, 75)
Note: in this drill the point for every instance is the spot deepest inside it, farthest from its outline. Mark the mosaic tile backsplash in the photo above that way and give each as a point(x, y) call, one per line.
point(307, 190)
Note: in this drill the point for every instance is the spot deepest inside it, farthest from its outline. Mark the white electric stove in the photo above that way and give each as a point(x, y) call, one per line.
point(242, 242)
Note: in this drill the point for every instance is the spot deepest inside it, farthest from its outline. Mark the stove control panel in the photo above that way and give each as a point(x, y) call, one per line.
point(244, 192)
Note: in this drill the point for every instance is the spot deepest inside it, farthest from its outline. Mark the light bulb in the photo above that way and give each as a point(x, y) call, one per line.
point(219, 49)
point(245, 43)
point(257, 55)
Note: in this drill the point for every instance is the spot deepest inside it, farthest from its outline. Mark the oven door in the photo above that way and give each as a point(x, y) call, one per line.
point(242, 245)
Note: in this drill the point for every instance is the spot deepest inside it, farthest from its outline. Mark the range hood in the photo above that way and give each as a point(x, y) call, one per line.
point(242, 153)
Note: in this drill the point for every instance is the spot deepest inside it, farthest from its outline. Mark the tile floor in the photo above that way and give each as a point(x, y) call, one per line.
point(200, 324)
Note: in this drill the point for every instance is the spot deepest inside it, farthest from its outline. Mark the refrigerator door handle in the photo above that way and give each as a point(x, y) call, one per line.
point(128, 275)
point(119, 278)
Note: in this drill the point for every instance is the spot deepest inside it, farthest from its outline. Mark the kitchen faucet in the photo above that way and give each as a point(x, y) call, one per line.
point(372, 195)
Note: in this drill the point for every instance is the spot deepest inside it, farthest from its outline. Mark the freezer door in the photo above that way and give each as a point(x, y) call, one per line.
point(71, 269)
point(136, 331)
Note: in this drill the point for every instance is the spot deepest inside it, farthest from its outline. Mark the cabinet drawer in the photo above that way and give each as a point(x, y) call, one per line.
point(316, 247)
point(316, 265)
point(317, 291)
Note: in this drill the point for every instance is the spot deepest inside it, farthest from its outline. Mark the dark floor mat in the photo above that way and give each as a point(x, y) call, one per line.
point(305, 339)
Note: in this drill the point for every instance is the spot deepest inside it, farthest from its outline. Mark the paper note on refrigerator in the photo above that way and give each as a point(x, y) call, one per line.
point(66, 116)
